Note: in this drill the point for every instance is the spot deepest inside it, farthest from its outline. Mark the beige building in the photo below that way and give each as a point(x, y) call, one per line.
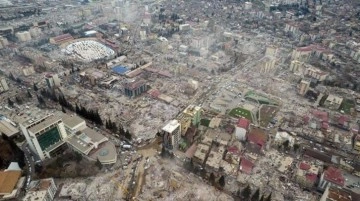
point(301, 54)
point(308, 70)
point(3, 42)
point(35, 32)
point(315, 73)
point(190, 116)
point(303, 87)
point(267, 64)
point(28, 70)
point(3, 85)
point(271, 51)
point(23, 36)
point(296, 66)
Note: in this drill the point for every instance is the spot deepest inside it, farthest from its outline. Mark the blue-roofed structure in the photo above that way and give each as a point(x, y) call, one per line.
point(121, 70)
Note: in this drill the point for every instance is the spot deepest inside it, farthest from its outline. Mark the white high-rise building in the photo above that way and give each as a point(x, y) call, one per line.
point(45, 135)
point(171, 135)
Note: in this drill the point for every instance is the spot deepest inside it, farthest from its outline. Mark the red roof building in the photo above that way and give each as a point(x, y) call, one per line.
point(243, 123)
point(61, 39)
point(343, 120)
point(304, 166)
point(307, 174)
point(233, 150)
point(246, 166)
point(331, 176)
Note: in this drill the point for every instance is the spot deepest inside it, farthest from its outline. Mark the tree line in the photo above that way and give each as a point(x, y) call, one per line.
point(110, 125)
point(89, 114)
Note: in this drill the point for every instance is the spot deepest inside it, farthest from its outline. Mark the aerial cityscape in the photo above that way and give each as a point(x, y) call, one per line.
point(167, 100)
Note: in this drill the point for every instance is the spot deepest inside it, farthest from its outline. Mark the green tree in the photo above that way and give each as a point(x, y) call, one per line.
point(296, 147)
point(262, 198)
point(268, 198)
point(286, 144)
point(78, 157)
point(128, 135)
point(212, 178)
point(256, 195)
point(222, 181)
point(10, 102)
point(35, 87)
point(246, 192)
point(29, 94)
point(11, 76)
point(63, 109)
point(98, 164)
point(18, 100)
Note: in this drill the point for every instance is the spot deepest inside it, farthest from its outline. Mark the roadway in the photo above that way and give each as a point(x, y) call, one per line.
point(30, 163)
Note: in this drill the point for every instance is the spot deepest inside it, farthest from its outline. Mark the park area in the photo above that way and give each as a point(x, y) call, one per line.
point(241, 112)
point(346, 106)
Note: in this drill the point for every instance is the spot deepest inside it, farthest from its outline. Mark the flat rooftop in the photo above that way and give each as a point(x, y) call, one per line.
point(86, 140)
point(8, 129)
point(8, 181)
point(171, 126)
point(45, 123)
point(72, 121)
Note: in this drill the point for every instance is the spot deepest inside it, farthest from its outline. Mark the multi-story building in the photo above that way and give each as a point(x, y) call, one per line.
point(303, 87)
point(3, 85)
point(135, 88)
point(61, 39)
point(306, 174)
point(357, 143)
point(45, 135)
point(41, 190)
point(190, 117)
point(295, 65)
point(336, 194)
point(52, 80)
point(171, 135)
point(331, 177)
point(315, 73)
point(242, 128)
point(73, 124)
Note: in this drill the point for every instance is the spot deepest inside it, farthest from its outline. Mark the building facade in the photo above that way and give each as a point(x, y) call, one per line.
point(331, 177)
point(303, 87)
point(3, 85)
point(191, 116)
point(135, 88)
point(41, 190)
point(171, 135)
point(45, 136)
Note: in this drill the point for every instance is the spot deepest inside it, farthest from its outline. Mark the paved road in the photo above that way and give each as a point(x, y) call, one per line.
point(29, 161)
